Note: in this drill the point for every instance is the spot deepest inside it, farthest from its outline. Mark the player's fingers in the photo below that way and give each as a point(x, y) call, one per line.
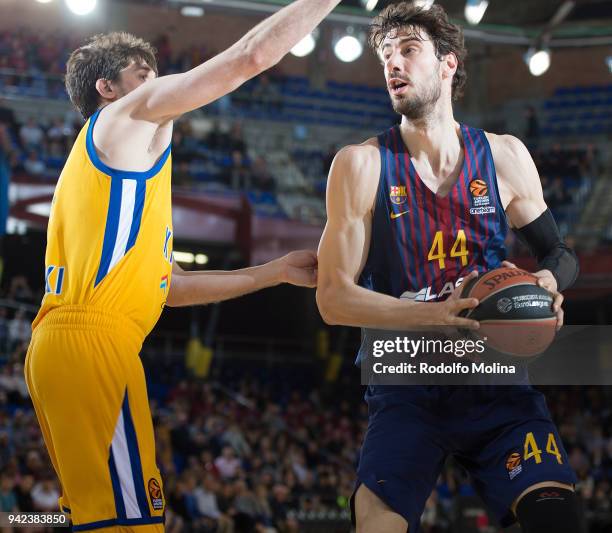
point(508, 264)
point(463, 303)
point(461, 322)
point(560, 318)
point(457, 292)
point(557, 302)
point(547, 284)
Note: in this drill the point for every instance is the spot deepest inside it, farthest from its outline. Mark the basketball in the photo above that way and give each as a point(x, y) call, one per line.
point(515, 314)
point(478, 188)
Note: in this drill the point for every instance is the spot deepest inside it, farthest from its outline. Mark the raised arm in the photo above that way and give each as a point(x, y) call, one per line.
point(261, 48)
point(343, 251)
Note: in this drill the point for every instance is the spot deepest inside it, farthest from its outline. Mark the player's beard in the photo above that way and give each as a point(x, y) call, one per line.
point(422, 103)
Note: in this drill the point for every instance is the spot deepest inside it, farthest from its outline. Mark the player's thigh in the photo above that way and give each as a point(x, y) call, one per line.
point(78, 401)
point(90, 386)
point(136, 410)
point(401, 458)
point(524, 457)
point(373, 515)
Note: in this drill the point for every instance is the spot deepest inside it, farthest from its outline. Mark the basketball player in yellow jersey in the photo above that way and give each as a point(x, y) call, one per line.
point(109, 269)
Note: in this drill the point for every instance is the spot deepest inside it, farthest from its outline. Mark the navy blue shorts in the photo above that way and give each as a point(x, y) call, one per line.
point(503, 436)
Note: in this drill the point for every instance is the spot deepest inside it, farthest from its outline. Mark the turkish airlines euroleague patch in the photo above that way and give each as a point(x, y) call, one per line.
point(480, 198)
point(513, 465)
point(155, 493)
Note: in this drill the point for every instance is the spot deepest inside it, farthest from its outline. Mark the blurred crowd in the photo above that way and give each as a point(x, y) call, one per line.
point(566, 172)
point(26, 51)
point(248, 461)
point(255, 451)
point(16, 320)
point(38, 148)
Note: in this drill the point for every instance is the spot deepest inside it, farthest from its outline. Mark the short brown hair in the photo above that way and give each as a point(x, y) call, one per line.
point(446, 37)
point(103, 57)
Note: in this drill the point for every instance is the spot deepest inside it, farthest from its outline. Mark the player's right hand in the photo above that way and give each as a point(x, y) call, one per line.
point(449, 310)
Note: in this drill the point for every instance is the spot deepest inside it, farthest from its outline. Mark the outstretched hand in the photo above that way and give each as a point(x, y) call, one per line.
point(299, 268)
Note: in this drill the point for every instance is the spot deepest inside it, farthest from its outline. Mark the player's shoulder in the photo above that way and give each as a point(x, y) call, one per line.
point(506, 146)
point(364, 150)
point(360, 157)
point(513, 164)
point(354, 175)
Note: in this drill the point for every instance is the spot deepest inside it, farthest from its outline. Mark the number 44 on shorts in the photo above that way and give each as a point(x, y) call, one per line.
point(532, 450)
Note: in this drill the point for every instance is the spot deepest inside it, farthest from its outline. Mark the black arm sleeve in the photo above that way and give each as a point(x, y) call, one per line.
point(544, 242)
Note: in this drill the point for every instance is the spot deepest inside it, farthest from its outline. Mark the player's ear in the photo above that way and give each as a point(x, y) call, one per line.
point(449, 65)
point(106, 89)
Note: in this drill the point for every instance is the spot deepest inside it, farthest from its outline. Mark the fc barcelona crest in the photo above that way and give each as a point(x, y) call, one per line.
point(397, 194)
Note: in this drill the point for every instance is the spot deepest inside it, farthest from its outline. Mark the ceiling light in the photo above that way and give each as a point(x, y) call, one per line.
point(424, 4)
point(349, 47)
point(369, 4)
point(304, 47)
point(201, 259)
point(81, 7)
point(538, 60)
point(192, 11)
point(183, 257)
point(475, 10)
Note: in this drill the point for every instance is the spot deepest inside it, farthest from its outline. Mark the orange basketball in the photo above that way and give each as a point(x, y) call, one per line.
point(478, 188)
point(515, 314)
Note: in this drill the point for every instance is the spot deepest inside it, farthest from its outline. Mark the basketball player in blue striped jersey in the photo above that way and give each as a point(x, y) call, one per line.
point(412, 214)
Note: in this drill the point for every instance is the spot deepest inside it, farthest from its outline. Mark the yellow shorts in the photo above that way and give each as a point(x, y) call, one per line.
point(88, 388)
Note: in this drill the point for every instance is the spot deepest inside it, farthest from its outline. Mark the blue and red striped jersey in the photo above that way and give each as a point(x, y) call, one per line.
point(422, 244)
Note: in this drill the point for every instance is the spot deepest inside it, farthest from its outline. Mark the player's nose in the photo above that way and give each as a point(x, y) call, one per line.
point(392, 66)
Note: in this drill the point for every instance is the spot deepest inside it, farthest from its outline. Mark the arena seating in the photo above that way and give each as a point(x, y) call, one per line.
point(578, 111)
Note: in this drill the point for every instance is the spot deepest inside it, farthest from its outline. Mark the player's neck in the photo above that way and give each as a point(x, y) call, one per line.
point(435, 138)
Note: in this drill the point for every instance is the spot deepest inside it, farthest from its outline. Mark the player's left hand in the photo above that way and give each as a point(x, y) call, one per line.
point(299, 268)
point(547, 281)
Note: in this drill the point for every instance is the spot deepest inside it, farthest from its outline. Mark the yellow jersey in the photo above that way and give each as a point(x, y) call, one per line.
point(109, 239)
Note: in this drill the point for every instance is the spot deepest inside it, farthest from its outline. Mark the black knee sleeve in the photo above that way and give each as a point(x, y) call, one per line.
point(548, 510)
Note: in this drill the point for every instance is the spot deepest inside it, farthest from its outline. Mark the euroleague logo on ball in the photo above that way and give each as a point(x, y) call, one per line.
point(504, 305)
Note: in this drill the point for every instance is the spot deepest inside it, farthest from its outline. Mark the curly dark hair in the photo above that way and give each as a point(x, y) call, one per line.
point(446, 37)
point(103, 57)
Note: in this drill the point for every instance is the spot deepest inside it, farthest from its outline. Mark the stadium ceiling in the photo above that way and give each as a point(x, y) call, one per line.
point(559, 23)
